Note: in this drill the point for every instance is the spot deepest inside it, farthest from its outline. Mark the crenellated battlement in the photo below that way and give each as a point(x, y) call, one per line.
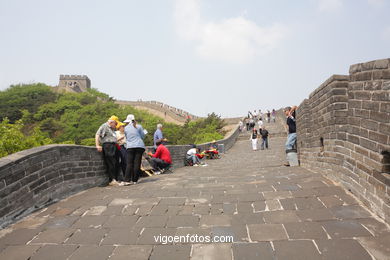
point(71, 77)
point(74, 83)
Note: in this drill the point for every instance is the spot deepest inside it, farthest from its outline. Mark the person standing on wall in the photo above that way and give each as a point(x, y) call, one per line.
point(135, 148)
point(121, 139)
point(268, 116)
point(292, 129)
point(105, 140)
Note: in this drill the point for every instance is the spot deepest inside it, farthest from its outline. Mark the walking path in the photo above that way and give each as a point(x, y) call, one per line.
point(271, 211)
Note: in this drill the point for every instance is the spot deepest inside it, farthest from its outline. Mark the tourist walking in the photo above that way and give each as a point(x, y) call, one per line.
point(254, 137)
point(135, 148)
point(264, 138)
point(105, 141)
point(268, 116)
point(273, 115)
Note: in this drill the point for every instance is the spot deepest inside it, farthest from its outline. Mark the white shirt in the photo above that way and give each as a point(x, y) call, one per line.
point(192, 151)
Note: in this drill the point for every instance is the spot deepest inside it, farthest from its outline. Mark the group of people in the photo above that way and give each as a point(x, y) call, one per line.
point(194, 157)
point(123, 147)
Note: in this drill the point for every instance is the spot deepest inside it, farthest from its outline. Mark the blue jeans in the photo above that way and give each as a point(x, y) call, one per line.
point(264, 143)
point(291, 139)
point(194, 158)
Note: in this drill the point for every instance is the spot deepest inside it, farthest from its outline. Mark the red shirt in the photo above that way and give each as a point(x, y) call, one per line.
point(163, 153)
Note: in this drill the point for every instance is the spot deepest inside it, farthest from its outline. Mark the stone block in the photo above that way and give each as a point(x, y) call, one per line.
point(345, 229)
point(381, 64)
point(362, 76)
point(87, 236)
point(356, 85)
point(183, 221)
point(59, 251)
point(135, 251)
point(262, 250)
point(298, 249)
point(92, 252)
point(381, 74)
point(368, 144)
point(18, 252)
point(267, 232)
point(373, 85)
point(210, 251)
point(339, 249)
point(383, 95)
point(120, 236)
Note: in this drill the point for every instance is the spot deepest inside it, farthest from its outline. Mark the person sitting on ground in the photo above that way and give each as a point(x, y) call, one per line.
point(212, 152)
point(192, 155)
point(264, 136)
point(161, 159)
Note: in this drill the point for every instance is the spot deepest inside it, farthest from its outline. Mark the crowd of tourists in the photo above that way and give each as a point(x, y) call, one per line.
point(123, 148)
point(254, 122)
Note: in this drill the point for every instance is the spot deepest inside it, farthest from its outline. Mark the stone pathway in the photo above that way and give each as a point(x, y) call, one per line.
point(271, 211)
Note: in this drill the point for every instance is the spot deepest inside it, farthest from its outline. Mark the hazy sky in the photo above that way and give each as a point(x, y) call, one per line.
point(203, 56)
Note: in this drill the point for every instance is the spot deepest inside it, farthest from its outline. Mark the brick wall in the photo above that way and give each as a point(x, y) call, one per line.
point(34, 178)
point(344, 131)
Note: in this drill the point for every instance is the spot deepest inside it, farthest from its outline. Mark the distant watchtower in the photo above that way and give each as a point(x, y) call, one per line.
point(74, 83)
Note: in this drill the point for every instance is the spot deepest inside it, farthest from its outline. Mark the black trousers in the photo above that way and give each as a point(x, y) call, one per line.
point(123, 162)
point(133, 169)
point(158, 164)
point(111, 160)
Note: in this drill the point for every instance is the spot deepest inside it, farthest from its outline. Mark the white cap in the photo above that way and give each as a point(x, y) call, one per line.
point(129, 118)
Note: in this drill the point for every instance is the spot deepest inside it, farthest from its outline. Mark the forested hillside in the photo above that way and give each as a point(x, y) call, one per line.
point(33, 115)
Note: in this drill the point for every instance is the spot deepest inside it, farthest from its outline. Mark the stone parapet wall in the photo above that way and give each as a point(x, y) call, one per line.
point(344, 131)
point(39, 176)
point(33, 178)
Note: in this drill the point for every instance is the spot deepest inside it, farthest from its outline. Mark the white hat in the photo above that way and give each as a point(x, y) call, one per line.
point(129, 118)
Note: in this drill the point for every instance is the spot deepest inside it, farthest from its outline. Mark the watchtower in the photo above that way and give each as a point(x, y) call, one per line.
point(74, 83)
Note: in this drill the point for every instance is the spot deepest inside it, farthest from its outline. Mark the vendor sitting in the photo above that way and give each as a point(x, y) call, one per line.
point(161, 159)
point(212, 152)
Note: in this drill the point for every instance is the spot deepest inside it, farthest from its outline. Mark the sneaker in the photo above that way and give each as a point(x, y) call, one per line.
point(157, 172)
point(286, 164)
point(113, 183)
point(124, 183)
point(204, 165)
point(195, 165)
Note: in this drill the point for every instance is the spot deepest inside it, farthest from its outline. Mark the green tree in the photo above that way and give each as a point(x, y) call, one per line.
point(13, 140)
point(24, 97)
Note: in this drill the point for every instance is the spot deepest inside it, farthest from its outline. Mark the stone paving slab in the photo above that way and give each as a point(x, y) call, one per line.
point(271, 212)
